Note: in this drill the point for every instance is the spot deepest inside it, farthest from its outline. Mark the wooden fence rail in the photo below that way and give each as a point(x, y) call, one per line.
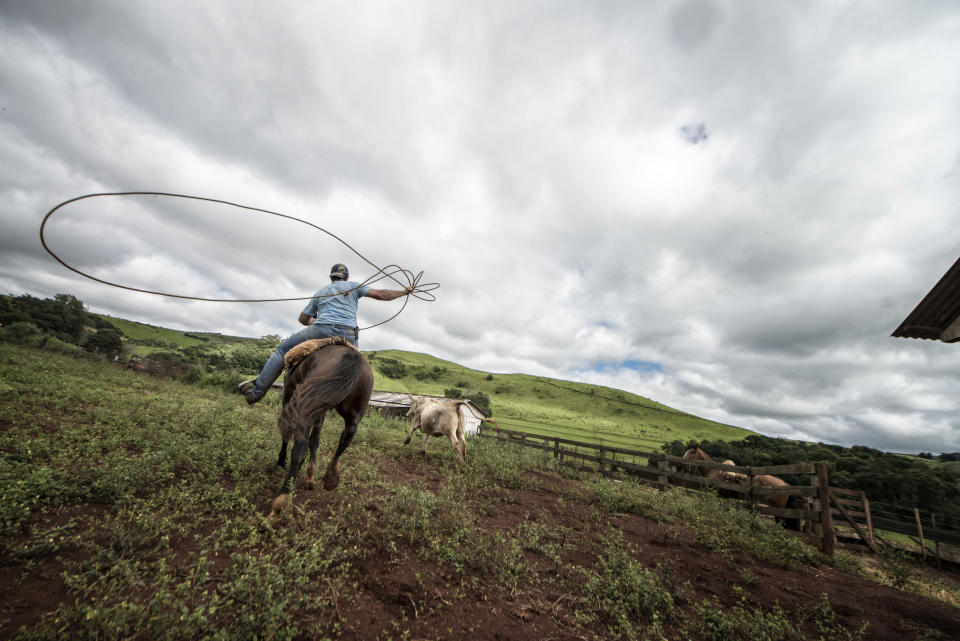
point(662, 469)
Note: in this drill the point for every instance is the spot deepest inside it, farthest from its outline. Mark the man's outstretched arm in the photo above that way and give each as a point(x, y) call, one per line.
point(388, 294)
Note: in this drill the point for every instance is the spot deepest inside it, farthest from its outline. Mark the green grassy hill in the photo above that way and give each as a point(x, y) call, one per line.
point(540, 405)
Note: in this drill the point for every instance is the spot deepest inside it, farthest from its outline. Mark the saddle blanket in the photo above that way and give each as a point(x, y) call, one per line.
point(299, 352)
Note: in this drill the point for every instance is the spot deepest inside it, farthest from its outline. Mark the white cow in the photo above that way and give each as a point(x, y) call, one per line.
point(434, 418)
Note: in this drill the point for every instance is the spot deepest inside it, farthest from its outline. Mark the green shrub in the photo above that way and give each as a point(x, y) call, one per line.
point(432, 374)
point(715, 624)
point(391, 368)
point(895, 564)
point(21, 333)
point(248, 358)
point(623, 591)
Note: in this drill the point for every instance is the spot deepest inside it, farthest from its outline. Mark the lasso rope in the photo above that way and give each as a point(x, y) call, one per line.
point(421, 291)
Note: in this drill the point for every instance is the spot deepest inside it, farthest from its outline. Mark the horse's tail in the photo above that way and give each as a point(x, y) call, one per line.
point(317, 393)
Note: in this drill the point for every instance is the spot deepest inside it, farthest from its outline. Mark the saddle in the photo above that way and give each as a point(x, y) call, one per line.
point(299, 352)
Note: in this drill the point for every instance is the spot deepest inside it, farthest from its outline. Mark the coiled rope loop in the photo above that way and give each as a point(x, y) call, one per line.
point(421, 291)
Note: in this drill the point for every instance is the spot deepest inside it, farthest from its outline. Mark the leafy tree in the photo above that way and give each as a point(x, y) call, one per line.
point(72, 315)
point(63, 316)
point(269, 340)
point(107, 340)
point(482, 401)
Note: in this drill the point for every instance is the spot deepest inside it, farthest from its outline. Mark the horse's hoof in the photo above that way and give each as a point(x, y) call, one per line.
point(276, 507)
point(331, 481)
point(406, 442)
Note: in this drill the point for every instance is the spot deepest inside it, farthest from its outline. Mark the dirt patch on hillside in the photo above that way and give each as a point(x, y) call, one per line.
point(403, 595)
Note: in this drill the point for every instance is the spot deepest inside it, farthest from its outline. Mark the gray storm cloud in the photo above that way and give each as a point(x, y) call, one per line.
point(529, 157)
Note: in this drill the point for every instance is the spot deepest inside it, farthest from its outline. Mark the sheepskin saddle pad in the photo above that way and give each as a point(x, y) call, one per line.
point(299, 352)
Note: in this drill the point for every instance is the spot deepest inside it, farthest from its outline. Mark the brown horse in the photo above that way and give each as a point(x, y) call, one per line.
point(762, 480)
point(335, 376)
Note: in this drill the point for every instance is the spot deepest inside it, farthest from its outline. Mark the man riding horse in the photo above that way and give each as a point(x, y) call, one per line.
point(331, 312)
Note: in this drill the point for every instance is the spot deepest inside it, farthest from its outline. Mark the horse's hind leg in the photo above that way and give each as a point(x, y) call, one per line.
point(297, 455)
point(310, 479)
point(331, 479)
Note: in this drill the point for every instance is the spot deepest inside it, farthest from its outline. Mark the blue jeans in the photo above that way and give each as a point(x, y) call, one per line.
point(271, 371)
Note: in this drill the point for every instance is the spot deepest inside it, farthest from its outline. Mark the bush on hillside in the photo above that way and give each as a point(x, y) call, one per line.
point(248, 358)
point(21, 333)
point(432, 374)
point(482, 401)
point(452, 392)
point(107, 340)
point(391, 368)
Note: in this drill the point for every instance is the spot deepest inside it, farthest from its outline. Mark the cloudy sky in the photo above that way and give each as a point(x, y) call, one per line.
point(723, 205)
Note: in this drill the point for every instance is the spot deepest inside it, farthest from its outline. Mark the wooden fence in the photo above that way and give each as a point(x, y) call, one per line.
point(663, 470)
point(851, 509)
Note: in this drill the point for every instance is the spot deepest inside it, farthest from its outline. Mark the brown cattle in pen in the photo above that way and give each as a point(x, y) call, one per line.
point(773, 500)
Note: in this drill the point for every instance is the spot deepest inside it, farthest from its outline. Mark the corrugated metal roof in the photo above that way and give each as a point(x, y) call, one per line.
point(939, 309)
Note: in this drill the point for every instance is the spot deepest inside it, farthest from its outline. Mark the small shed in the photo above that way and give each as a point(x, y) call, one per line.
point(395, 404)
point(937, 317)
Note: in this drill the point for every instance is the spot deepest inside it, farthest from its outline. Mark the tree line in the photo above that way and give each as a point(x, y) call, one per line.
point(885, 477)
point(28, 320)
point(63, 324)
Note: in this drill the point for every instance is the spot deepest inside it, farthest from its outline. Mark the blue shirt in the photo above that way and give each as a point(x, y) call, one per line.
point(332, 307)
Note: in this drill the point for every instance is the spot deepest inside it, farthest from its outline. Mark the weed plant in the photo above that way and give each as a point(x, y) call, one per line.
point(719, 525)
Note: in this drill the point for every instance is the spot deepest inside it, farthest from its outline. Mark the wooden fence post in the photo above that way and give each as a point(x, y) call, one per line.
point(664, 468)
point(826, 521)
point(936, 542)
point(923, 545)
point(866, 510)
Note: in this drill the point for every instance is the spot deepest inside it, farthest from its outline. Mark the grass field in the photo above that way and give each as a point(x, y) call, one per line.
point(133, 507)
